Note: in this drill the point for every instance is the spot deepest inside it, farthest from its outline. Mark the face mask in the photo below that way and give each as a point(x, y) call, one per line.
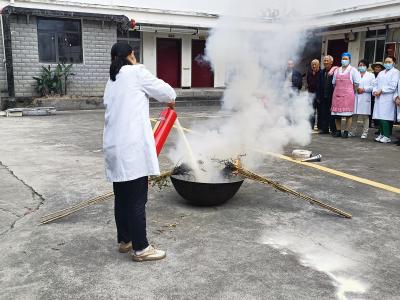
point(362, 69)
point(345, 63)
point(388, 66)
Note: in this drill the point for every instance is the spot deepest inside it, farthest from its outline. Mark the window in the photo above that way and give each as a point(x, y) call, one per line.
point(59, 40)
point(375, 45)
point(133, 38)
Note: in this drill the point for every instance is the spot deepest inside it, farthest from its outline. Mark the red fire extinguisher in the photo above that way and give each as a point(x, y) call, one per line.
point(163, 126)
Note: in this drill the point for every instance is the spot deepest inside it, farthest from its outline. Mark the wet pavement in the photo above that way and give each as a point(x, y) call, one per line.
point(262, 244)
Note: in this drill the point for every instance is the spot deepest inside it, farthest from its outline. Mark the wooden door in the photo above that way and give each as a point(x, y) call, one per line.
point(169, 56)
point(202, 75)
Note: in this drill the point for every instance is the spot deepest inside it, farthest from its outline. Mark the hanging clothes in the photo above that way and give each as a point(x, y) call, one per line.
point(343, 94)
point(128, 143)
point(362, 103)
point(387, 82)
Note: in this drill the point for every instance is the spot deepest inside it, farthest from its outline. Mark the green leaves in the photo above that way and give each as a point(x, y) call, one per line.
point(53, 82)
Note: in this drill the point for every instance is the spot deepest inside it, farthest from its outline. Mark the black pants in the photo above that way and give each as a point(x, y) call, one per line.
point(316, 112)
point(130, 212)
point(327, 120)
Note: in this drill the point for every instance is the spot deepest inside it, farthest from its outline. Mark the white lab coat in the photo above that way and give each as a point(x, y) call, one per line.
point(398, 106)
point(362, 105)
point(387, 82)
point(128, 140)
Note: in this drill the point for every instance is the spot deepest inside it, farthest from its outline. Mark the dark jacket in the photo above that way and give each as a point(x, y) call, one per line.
point(325, 86)
point(312, 81)
point(297, 79)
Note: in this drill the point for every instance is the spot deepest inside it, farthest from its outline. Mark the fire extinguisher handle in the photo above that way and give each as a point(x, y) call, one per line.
point(171, 105)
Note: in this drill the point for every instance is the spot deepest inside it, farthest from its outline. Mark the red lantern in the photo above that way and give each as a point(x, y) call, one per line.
point(163, 127)
point(133, 24)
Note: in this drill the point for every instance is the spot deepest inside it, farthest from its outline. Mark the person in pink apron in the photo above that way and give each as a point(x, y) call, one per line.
point(345, 80)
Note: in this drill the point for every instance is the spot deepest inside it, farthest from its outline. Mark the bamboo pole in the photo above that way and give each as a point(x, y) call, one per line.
point(96, 200)
point(250, 175)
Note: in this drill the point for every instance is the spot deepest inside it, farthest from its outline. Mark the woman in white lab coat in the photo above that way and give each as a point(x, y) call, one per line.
point(397, 100)
point(129, 147)
point(362, 104)
point(385, 89)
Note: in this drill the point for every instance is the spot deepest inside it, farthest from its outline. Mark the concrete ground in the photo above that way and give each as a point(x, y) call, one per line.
point(262, 244)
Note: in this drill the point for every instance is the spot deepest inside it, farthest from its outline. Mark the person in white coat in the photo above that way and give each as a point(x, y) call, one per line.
point(129, 146)
point(385, 89)
point(362, 103)
point(397, 100)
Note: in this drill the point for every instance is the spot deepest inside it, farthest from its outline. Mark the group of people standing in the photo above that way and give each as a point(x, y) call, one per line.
point(356, 95)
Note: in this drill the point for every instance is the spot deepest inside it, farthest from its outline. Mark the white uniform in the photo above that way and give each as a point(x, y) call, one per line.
point(128, 140)
point(362, 104)
point(387, 82)
point(398, 106)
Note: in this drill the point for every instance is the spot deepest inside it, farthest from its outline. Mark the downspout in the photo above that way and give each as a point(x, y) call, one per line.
point(3, 45)
point(5, 16)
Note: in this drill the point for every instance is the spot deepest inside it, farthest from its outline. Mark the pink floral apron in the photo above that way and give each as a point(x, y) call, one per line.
point(343, 95)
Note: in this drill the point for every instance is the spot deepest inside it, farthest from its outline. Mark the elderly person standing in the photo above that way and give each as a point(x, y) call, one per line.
point(312, 86)
point(129, 146)
point(362, 105)
point(345, 80)
point(324, 96)
point(385, 89)
point(293, 77)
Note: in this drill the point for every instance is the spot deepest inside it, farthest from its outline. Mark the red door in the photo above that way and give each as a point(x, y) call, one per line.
point(169, 61)
point(202, 75)
point(335, 49)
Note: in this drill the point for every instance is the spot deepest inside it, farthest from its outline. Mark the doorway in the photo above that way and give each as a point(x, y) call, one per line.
point(169, 56)
point(202, 75)
point(336, 49)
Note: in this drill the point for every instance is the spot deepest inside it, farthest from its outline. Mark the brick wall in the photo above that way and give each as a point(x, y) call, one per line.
point(91, 75)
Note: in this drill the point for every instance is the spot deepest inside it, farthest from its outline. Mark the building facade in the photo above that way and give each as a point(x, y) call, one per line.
point(368, 32)
point(171, 44)
point(37, 34)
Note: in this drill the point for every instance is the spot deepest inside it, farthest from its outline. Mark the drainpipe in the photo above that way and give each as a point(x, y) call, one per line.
point(7, 42)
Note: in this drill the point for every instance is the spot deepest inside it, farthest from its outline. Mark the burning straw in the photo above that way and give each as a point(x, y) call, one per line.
point(160, 181)
point(236, 168)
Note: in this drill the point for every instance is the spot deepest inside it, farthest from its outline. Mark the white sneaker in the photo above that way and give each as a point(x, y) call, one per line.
point(378, 139)
point(351, 134)
point(385, 140)
point(364, 135)
point(148, 254)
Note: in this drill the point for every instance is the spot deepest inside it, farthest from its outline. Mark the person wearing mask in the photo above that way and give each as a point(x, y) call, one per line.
point(377, 68)
point(362, 104)
point(345, 80)
point(293, 76)
point(129, 146)
point(324, 96)
point(385, 89)
point(312, 86)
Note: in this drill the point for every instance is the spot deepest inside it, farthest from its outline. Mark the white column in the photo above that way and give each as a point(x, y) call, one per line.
point(186, 77)
point(355, 50)
point(150, 51)
point(219, 77)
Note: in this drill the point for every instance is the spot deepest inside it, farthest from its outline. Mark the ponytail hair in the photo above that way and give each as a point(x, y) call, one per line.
point(119, 52)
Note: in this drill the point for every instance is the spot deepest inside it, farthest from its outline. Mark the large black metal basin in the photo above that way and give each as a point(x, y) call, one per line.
point(206, 194)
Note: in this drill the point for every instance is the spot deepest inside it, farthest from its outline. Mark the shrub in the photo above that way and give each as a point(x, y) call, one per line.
point(53, 82)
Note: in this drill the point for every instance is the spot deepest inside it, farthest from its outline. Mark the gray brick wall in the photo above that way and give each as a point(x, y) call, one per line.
point(91, 76)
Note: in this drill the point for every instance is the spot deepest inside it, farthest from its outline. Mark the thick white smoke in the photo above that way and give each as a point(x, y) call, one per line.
point(252, 45)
